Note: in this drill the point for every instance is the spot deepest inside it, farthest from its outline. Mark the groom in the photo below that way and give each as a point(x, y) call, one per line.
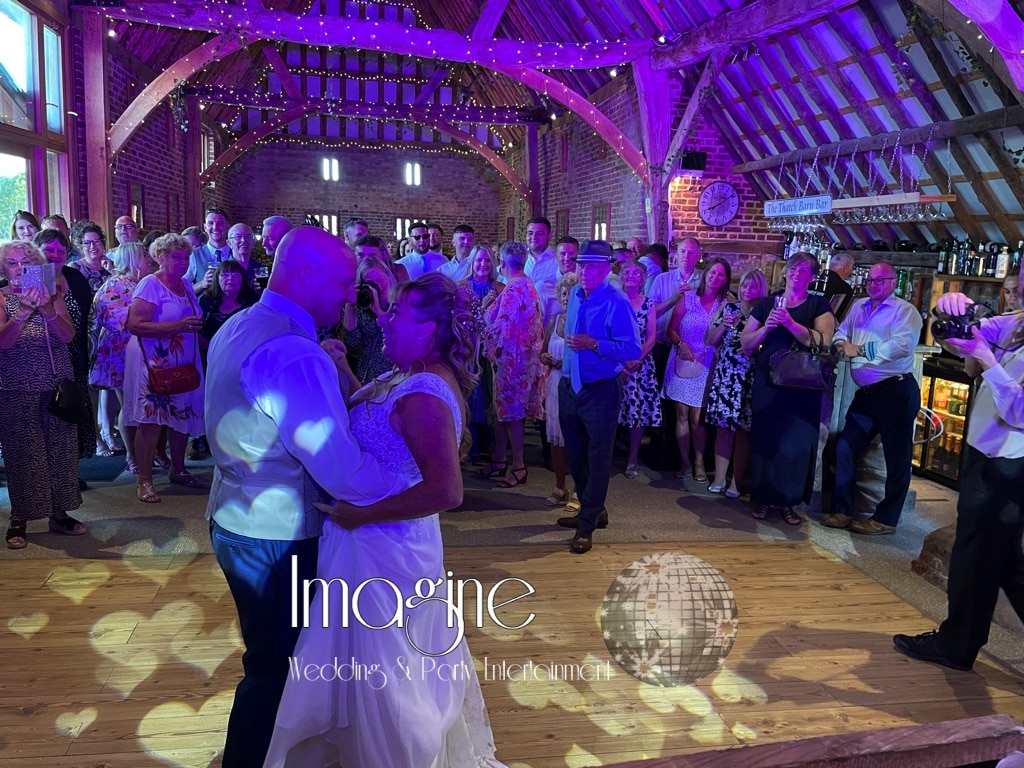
point(279, 433)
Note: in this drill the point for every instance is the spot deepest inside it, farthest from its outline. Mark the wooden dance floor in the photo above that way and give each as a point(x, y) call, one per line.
point(128, 663)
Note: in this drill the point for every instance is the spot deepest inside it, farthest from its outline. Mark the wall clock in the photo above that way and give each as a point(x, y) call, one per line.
point(718, 204)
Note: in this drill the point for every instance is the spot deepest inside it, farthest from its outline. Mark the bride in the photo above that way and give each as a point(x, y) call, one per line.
point(362, 697)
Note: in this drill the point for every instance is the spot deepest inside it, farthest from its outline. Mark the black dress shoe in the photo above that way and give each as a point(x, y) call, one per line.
point(581, 543)
point(570, 521)
point(925, 647)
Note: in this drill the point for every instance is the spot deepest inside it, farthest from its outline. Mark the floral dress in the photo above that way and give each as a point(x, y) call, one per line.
point(182, 413)
point(732, 377)
point(512, 341)
point(693, 326)
point(110, 308)
point(641, 406)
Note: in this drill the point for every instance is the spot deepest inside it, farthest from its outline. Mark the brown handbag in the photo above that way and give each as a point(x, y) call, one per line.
point(802, 368)
point(172, 381)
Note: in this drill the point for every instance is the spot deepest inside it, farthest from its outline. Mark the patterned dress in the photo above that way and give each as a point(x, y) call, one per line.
point(693, 326)
point(731, 379)
point(40, 451)
point(96, 277)
point(640, 403)
point(556, 348)
point(481, 400)
point(512, 341)
point(182, 413)
point(366, 343)
point(110, 308)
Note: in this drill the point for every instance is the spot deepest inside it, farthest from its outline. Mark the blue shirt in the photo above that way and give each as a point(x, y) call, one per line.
point(607, 316)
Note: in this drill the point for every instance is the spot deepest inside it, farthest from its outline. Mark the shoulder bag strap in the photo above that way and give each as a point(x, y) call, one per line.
point(195, 336)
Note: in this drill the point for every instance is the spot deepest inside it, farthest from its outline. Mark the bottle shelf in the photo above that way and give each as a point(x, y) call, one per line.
point(950, 415)
point(947, 278)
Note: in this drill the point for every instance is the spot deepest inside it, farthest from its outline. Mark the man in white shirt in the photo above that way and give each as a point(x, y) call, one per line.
point(422, 259)
point(878, 337)
point(668, 287)
point(278, 450)
point(986, 555)
point(538, 238)
point(205, 258)
point(655, 259)
point(459, 266)
point(542, 266)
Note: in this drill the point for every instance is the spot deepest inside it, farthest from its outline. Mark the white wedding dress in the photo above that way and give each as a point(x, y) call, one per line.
point(413, 711)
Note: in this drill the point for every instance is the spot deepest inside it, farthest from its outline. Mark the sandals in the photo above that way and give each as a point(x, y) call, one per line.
point(698, 472)
point(104, 451)
point(716, 488)
point(731, 494)
point(516, 477)
point(683, 473)
point(17, 535)
point(790, 516)
point(761, 512)
point(558, 497)
point(146, 493)
point(632, 471)
point(185, 478)
point(162, 461)
point(131, 467)
point(573, 506)
point(493, 469)
point(66, 525)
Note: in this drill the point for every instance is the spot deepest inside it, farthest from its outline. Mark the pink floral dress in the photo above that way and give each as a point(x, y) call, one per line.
point(111, 317)
point(512, 341)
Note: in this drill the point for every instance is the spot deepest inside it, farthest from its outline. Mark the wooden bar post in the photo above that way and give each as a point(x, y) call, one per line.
point(97, 118)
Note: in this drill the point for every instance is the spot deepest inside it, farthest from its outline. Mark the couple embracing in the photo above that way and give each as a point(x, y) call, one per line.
point(287, 439)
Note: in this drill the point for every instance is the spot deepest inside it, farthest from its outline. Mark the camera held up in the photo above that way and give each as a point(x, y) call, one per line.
point(959, 326)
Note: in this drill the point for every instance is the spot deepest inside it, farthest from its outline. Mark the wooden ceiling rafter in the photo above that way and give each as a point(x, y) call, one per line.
point(731, 144)
point(709, 73)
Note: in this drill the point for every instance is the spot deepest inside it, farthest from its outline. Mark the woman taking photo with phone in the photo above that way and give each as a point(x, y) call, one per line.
point(39, 449)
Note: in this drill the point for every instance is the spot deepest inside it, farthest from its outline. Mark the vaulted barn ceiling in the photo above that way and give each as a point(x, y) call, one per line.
point(834, 97)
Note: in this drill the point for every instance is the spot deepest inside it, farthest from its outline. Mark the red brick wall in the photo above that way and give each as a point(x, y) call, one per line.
point(595, 174)
point(286, 180)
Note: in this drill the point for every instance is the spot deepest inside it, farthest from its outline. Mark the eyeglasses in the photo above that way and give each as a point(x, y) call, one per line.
point(242, 238)
point(877, 280)
point(420, 237)
point(121, 227)
point(92, 243)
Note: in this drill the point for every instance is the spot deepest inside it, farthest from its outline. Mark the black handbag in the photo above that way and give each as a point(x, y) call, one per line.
point(68, 401)
point(802, 368)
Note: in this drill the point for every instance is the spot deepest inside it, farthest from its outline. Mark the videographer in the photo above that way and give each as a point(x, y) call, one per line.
point(986, 553)
point(362, 335)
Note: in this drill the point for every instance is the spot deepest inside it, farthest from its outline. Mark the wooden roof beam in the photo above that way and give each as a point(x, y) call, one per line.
point(1004, 29)
point(487, 22)
point(389, 37)
point(697, 99)
point(289, 82)
point(450, 113)
point(755, 21)
point(987, 121)
point(298, 112)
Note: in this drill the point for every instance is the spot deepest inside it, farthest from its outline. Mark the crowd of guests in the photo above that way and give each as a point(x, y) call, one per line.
point(705, 337)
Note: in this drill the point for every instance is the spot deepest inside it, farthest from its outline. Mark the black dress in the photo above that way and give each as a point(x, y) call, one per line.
point(784, 427)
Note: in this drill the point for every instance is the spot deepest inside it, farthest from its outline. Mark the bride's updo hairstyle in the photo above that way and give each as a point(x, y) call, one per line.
point(456, 341)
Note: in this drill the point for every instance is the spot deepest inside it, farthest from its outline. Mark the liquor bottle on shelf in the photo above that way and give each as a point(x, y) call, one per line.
point(940, 456)
point(1015, 263)
point(941, 395)
point(990, 264)
point(940, 265)
point(1003, 262)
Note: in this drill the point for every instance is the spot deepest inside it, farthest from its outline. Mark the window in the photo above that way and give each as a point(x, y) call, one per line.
point(561, 222)
point(328, 221)
point(209, 153)
point(510, 228)
point(402, 228)
point(17, 61)
point(57, 181)
point(331, 169)
point(53, 59)
point(13, 184)
point(601, 220)
point(412, 174)
point(138, 209)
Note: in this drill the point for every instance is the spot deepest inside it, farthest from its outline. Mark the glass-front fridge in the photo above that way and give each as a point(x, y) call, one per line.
point(939, 439)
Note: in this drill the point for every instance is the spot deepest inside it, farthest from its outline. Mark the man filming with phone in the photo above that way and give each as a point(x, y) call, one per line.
point(986, 553)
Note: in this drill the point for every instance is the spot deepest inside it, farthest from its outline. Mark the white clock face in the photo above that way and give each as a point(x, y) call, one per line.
point(718, 204)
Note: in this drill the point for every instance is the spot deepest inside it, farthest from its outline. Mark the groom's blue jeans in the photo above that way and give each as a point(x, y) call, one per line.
point(259, 574)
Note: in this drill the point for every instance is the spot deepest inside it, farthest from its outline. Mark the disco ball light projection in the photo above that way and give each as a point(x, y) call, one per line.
point(669, 619)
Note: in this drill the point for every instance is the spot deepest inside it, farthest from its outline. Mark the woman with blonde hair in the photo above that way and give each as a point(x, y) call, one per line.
point(110, 308)
point(728, 400)
point(39, 449)
point(165, 319)
point(412, 422)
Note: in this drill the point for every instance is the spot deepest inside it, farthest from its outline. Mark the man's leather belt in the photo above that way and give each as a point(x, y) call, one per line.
point(883, 382)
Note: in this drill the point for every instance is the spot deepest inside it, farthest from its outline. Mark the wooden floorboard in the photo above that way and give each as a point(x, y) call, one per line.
point(133, 662)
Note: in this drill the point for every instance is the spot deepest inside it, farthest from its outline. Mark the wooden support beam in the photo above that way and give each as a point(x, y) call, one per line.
point(532, 150)
point(386, 36)
point(427, 91)
point(193, 160)
point(289, 82)
point(712, 67)
point(586, 111)
point(1003, 27)
point(987, 121)
point(281, 120)
point(752, 22)
point(653, 98)
point(158, 90)
point(451, 113)
point(95, 121)
point(487, 22)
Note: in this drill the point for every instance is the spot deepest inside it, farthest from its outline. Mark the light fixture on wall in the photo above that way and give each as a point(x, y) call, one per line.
point(667, 37)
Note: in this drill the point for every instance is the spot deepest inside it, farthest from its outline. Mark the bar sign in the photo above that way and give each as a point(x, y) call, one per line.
point(798, 206)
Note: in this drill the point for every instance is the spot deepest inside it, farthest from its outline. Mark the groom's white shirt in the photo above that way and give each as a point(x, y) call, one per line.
point(279, 428)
